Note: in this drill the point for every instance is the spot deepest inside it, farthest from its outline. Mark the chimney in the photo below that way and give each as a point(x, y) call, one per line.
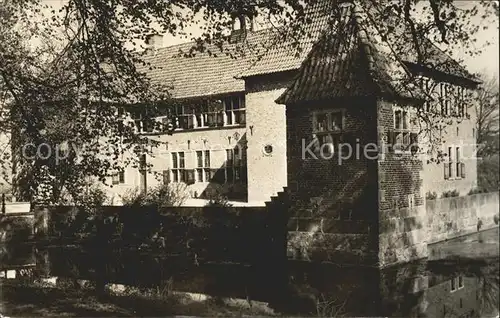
point(345, 3)
point(240, 28)
point(154, 41)
point(252, 24)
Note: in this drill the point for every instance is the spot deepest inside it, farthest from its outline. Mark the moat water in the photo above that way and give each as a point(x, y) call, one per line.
point(459, 279)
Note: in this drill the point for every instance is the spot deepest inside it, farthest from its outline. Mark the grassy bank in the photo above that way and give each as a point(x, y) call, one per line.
point(37, 300)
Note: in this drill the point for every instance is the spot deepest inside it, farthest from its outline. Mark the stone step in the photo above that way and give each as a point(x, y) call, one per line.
point(283, 195)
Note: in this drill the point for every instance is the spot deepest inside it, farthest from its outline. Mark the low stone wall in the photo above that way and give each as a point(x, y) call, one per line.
point(452, 217)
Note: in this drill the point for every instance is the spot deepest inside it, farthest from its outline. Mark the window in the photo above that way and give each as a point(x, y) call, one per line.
point(234, 110)
point(143, 122)
point(228, 111)
point(427, 86)
point(178, 167)
point(209, 114)
point(183, 116)
point(203, 166)
point(448, 165)
point(461, 101)
point(456, 283)
point(402, 137)
point(235, 168)
point(118, 177)
point(445, 98)
point(454, 168)
point(453, 100)
point(328, 127)
point(268, 149)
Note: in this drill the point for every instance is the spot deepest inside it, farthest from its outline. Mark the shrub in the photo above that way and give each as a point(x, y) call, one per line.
point(450, 194)
point(488, 172)
point(217, 198)
point(163, 195)
point(16, 228)
point(431, 196)
point(476, 191)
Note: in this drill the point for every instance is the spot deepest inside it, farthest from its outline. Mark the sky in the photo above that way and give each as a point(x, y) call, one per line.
point(487, 62)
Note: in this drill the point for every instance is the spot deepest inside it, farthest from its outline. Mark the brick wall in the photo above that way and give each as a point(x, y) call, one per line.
point(334, 209)
point(402, 219)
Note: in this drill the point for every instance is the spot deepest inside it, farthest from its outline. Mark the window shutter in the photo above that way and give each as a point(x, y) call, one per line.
point(122, 176)
point(462, 168)
point(446, 171)
point(166, 176)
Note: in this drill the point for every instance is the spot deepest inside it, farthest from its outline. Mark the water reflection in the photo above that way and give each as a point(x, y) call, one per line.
point(453, 286)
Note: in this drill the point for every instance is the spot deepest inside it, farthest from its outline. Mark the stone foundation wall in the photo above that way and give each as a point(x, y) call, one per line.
point(457, 216)
point(402, 236)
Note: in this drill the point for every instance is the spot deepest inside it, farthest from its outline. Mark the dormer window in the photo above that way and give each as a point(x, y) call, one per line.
point(207, 113)
point(143, 123)
point(234, 107)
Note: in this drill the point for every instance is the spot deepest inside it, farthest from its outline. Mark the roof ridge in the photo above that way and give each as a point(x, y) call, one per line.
point(194, 42)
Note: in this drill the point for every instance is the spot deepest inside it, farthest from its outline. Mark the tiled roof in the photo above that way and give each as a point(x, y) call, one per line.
point(289, 53)
point(350, 60)
point(284, 56)
point(203, 74)
point(265, 51)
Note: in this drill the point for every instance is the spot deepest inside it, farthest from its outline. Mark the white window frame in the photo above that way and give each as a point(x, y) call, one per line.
point(328, 135)
point(231, 114)
point(456, 281)
point(178, 170)
point(407, 115)
point(228, 113)
point(236, 166)
point(118, 178)
point(204, 168)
